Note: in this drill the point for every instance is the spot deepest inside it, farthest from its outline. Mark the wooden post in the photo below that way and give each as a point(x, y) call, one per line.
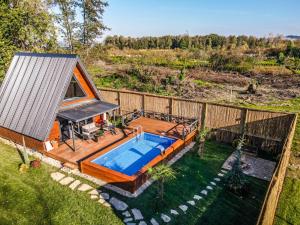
point(25, 155)
point(170, 108)
point(243, 121)
point(143, 103)
point(203, 116)
point(119, 102)
point(73, 138)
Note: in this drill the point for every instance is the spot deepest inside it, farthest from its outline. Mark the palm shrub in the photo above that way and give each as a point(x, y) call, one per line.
point(201, 141)
point(161, 174)
point(236, 179)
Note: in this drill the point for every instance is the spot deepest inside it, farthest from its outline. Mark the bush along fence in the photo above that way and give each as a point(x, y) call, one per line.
point(268, 133)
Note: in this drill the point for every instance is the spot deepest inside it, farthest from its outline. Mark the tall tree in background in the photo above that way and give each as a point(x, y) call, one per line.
point(91, 26)
point(67, 21)
point(26, 25)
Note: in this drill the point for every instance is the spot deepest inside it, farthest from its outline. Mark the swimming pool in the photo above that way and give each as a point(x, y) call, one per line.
point(129, 157)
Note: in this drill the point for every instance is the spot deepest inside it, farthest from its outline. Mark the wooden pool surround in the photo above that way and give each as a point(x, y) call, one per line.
point(131, 183)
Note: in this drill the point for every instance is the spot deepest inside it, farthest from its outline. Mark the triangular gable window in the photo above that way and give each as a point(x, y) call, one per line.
point(74, 90)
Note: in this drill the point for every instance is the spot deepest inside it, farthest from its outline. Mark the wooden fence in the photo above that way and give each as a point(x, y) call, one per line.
point(268, 210)
point(227, 122)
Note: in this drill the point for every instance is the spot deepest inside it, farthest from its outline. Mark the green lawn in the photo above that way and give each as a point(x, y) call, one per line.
point(193, 175)
point(34, 198)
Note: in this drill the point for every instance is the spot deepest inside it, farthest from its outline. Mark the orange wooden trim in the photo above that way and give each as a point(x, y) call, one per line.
point(130, 183)
point(18, 138)
point(85, 86)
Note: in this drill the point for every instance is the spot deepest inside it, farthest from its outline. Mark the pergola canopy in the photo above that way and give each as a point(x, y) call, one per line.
point(87, 111)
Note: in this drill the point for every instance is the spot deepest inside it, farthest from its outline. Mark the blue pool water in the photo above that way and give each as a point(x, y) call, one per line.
point(132, 155)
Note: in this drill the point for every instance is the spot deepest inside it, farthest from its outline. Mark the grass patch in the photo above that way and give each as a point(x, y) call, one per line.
point(34, 198)
point(193, 175)
point(288, 211)
point(202, 83)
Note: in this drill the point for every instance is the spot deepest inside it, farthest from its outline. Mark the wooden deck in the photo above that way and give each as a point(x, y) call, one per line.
point(87, 148)
point(158, 127)
point(84, 148)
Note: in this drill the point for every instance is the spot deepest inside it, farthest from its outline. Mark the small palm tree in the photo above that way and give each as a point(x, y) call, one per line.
point(201, 140)
point(161, 174)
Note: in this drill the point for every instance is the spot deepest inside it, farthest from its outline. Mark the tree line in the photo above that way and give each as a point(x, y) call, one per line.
point(212, 41)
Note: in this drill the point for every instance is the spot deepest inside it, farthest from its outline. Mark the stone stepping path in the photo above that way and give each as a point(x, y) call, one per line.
point(66, 181)
point(126, 214)
point(165, 218)
point(75, 184)
point(184, 208)
point(174, 212)
point(137, 214)
point(197, 197)
point(154, 222)
point(118, 204)
point(132, 216)
point(84, 187)
point(57, 176)
point(209, 187)
point(204, 192)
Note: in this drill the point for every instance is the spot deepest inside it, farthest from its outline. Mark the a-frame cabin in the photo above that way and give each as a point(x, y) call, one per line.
point(48, 98)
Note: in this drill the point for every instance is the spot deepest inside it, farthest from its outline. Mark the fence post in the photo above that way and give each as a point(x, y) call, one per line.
point(243, 121)
point(170, 108)
point(119, 101)
point(143, 103)
point(203, 116)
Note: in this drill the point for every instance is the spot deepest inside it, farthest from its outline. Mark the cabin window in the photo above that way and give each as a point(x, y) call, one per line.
point(74, 90)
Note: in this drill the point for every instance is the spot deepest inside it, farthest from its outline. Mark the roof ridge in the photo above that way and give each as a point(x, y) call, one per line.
point(43, 54)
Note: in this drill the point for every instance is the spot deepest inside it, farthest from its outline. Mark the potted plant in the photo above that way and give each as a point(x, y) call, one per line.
point(201, 141)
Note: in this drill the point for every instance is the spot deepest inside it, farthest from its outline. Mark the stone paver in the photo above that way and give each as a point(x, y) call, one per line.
point(174, 212)
point(94, 192)
point(191, 202)
point(75, 184)
point(217, 179)
point(165, 218)
point(137, 214)
point(183, 208)
point(118, 204)
point(127, 220)
point(102, 201)
point(57, 176)
point(126, 214)
point(104, 195)
point(93, 197)
point(153, 221)
point(107, 204)
point(84, 187)
point(197, 197)
point(66, 180)
point(213, 183)
point(209, 187)
point(204, 192)
point(220, 174)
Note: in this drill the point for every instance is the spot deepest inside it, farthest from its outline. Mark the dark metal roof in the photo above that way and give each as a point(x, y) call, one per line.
point(33, 88)
point(86, 111)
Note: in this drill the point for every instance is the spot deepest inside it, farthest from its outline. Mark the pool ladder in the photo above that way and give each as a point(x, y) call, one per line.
point(139, 132)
